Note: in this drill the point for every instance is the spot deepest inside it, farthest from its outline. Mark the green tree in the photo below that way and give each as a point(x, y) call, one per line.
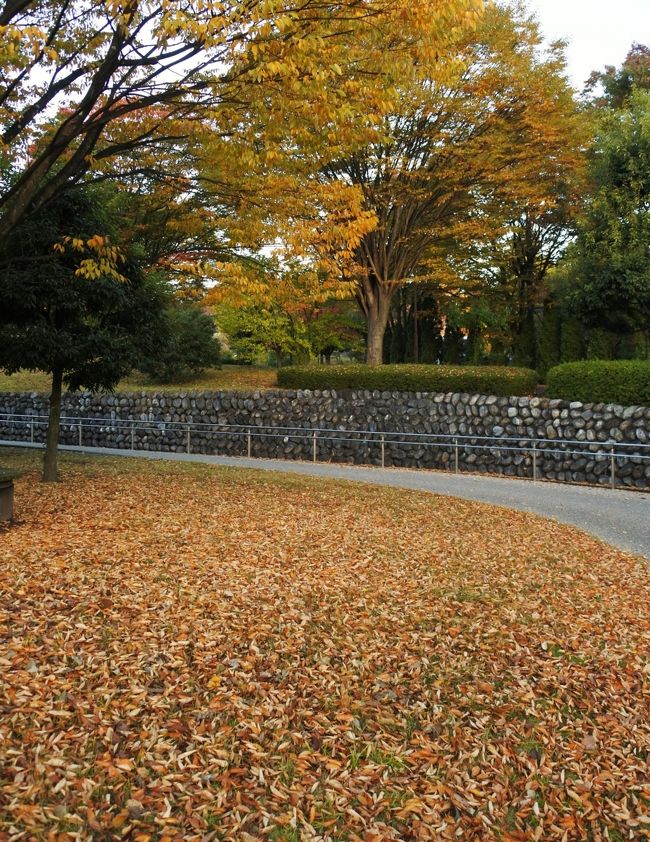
point(613, 86)
point(609, 264)
point(336, 326)
point(549, 338)
point(186, 346)
point(572, 340)
point(256, 331)
point(86, 333)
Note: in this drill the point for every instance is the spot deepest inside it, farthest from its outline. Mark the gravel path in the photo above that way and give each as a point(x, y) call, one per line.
point(621, 518)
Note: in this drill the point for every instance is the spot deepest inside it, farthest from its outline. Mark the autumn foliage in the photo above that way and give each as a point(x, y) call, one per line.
point(86, 84)
point(456, 155)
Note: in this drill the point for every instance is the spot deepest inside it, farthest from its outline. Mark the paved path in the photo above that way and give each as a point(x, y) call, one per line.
point(621, 518)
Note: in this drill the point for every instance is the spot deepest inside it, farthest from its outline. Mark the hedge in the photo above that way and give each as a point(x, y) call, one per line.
point(488, 380)
point(624, 382)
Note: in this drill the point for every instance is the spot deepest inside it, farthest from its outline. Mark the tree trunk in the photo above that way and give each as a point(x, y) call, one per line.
point(416, 326)
point(524, 345)
point(377, 320)
point(50, 472)
point(375, 346)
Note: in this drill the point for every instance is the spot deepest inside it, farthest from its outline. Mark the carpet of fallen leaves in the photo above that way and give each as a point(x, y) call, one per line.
point(197, 653)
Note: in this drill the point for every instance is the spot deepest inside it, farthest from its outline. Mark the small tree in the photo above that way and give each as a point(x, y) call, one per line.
point(86, 332)
point(267, 307)
point(255, 330)
point(187, 346)
point(336, 327)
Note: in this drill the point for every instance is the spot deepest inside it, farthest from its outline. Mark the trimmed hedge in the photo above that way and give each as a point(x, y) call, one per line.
point(486, 380)
point(624, 382)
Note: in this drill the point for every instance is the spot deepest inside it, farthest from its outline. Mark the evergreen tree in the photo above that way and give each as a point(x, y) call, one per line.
point(609, 264)
point(187, 345)
point(86, 332)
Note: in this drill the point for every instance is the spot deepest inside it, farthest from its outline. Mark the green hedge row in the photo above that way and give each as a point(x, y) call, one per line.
point(486, 380)
point(625, 382)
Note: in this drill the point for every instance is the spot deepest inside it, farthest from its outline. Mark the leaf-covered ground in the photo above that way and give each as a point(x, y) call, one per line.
point(197, 653)
point(228, 377)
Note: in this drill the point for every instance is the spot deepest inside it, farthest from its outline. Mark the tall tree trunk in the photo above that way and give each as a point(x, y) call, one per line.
point(524, 345)
point(375, 343)
point(376, 308)
point(50, 472)
point(416, 327)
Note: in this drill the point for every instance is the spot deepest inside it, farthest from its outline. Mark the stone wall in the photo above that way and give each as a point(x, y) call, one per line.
point(471, 418)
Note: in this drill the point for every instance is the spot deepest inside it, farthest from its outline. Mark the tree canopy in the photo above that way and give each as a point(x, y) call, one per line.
point(86, 83)
point(613, 86)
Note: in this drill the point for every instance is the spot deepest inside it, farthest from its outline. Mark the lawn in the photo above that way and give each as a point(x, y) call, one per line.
point(198, 653)
point(229, 377)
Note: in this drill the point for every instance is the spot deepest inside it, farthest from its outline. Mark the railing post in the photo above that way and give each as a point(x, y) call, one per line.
point(314, 446)
point(188, 440)
point(249, 443)
point(456, 463)
point(383, 451)
point(80, 428)
point(31, 432)
point(534, 461)
point(613, 467)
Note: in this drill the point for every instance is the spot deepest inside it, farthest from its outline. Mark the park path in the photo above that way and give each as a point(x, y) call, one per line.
point(621, 518)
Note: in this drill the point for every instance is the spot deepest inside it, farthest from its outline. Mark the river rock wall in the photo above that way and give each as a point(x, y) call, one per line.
point(448, 431)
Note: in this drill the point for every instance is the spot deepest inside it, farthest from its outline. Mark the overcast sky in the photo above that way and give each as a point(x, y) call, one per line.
point(599, 32)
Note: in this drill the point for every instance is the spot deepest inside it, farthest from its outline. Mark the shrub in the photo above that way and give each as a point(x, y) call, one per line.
point(625, 382)
point(493, 380)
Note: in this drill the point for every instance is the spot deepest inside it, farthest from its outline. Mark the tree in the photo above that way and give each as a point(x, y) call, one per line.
point(255, 332)
point(269, 307)
point(186, 345)
point(534, 244)
point(86, 332)
point(336, 327)
point(609, 265)
point(86, 84)
point(507, 267)
point(613, 86)
point(415, 326)
point(454, 152)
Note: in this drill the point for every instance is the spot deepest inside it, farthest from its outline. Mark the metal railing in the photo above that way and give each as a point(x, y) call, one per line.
point(315, 442)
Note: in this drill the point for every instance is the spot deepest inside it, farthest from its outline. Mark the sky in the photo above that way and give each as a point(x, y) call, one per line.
point(599, 32)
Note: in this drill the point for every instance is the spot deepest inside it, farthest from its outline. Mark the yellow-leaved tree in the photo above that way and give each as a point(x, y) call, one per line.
point(88, 85)
point(493, 127)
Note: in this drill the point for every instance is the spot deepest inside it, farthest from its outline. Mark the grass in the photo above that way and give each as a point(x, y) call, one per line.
point(229, 377)
point(188, 650)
